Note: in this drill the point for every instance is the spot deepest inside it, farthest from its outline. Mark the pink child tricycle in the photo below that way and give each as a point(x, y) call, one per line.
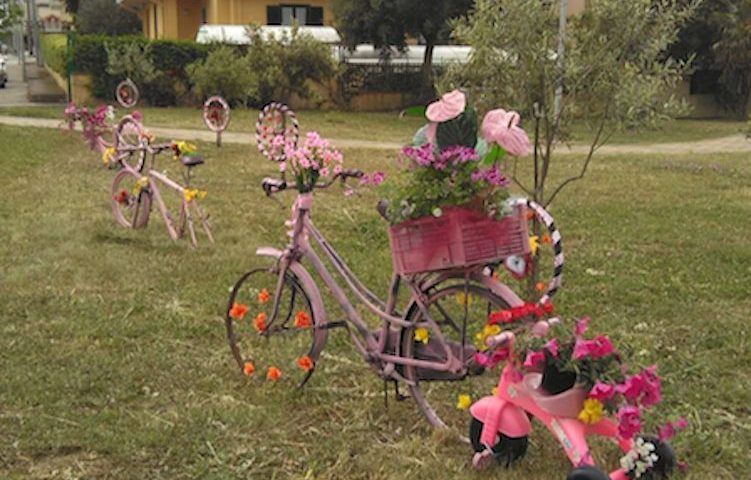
point(501, 422)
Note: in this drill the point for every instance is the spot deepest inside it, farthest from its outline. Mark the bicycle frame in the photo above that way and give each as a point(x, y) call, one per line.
point(372, 347)
point(185, 216)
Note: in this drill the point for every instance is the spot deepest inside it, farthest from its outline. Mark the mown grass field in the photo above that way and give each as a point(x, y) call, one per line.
point(112, 346)
point(387, 126)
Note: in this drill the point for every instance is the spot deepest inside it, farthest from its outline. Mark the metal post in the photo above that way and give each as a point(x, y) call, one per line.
point(561, 52)
point(35, 29)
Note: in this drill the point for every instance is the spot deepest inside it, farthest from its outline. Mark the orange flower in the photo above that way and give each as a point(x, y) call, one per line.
point(274, 374)
point(302, 320)
point(260, 322)
point(530, 214)
point(306, 363)
point(263, 296)
point(238, 311)
point(540, 286)
point(546, 239)
point(249, 369)
point(495, 275)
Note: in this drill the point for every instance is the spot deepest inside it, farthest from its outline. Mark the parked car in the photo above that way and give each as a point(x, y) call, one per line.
point(3, 72)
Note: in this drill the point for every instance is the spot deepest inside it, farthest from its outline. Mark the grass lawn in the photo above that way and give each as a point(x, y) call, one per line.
point(389, 127)
point(114, 359)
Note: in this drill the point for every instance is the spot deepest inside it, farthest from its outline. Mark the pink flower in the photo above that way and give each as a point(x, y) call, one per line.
point(581, 326)
point(651, 386)
point(629, 421)
point(596, 348)
point(552, 347)
point(450, 106)
point(631, 388)
point(512, 375)
point(481, 359)
point(502, 127)
point(534, 358)
point(602, 392)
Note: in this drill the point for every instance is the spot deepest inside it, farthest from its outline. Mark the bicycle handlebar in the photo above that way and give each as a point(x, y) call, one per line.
point(274, 185)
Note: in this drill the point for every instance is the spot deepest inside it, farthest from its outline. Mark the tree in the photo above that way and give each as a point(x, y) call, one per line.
point(10, 14)
point(614, 73)
point(719, 36)
point(387, 23)
point(105, 16)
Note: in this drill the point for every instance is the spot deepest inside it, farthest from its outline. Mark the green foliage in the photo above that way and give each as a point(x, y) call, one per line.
point(272, 68)
point(614, 72)
point(11, 14)
point(131, 60)
point(461, 130)
point(105, 17)
point(169, 57)
point(221, 73)
point(54, 49)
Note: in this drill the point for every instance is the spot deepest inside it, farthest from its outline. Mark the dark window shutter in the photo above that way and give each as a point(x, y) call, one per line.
point(273, 15)
point(315, 16)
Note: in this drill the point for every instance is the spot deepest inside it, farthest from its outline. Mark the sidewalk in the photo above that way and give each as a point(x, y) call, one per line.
point(730, 144)
point(39, 88)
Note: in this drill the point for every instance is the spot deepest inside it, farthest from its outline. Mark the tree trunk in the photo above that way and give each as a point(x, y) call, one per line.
point(427, 91)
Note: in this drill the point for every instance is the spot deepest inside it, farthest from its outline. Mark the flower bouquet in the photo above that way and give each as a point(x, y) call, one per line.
point(453, 209)
point(593, 365)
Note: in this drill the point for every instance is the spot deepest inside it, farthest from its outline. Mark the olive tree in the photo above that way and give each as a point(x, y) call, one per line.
point(614, 72)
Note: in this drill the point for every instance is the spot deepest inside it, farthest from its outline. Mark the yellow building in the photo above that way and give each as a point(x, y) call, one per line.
point(180, 19)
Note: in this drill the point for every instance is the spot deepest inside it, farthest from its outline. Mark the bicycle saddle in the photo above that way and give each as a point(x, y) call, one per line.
point(190, 161)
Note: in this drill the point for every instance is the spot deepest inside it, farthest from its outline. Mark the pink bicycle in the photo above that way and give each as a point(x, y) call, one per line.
point(501, 424)
point(277, 324)
point(133, 192)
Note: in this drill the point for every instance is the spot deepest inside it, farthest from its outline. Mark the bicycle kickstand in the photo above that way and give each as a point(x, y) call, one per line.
point(397, 394)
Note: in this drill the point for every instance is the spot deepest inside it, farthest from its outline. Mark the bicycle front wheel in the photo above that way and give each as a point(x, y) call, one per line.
point(274, 347)
point(460, 311)
point(131, 199)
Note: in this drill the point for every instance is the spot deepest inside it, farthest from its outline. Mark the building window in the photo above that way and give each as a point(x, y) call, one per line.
point(287, 14)
point(705, 82)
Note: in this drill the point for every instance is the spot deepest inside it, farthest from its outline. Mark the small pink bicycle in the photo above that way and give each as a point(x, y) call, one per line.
point(277, 325)
point(500, 423)
point(133, 193)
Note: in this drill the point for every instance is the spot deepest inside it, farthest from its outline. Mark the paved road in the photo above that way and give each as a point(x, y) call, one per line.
point(729, 144)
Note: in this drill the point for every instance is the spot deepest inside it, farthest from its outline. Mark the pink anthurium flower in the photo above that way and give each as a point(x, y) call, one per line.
point(502, 127)
point(450, 106)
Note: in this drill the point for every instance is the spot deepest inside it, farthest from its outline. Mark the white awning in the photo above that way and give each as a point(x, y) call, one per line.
point(238, 34)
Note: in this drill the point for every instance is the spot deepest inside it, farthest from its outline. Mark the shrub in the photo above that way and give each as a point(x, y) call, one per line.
point(54, 48)
point(221, 73)
point(272, 68)
point(168, 57)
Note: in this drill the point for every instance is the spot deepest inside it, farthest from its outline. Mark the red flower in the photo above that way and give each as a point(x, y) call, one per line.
point(263, 296)
point(249, 369)
point(274, 374)
point(260, 322)
point(501, 316)
point(302, 320)
point(121, 197)
point(238, 311)
point(306, 363)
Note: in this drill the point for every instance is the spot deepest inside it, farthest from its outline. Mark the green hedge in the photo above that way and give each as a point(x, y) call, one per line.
point(169, 56)
point(54, 46)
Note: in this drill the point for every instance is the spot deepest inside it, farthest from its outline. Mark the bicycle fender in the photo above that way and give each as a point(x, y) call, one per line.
point(316, 302)
point(498, 415)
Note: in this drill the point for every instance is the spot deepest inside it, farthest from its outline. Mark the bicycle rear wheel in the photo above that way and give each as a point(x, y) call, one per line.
point(281, 348)
point(461, 312)
point(129, 133)
point(131, 199)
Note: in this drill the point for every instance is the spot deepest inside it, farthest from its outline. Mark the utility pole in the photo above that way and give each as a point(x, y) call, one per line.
point(561, 52)
point(35, 30)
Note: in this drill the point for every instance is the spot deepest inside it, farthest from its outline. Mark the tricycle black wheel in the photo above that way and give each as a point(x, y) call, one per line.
point(506, 451)
point(587, 473)
point(665, 463)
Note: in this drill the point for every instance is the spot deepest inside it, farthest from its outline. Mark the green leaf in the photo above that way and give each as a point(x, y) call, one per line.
point(496, 153)
point(461, 130)
point(415, 111)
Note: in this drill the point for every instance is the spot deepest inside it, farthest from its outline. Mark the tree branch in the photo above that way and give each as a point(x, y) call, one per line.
point(592, 148)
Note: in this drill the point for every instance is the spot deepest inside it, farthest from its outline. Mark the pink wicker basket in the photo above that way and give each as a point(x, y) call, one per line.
point(458, 238)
